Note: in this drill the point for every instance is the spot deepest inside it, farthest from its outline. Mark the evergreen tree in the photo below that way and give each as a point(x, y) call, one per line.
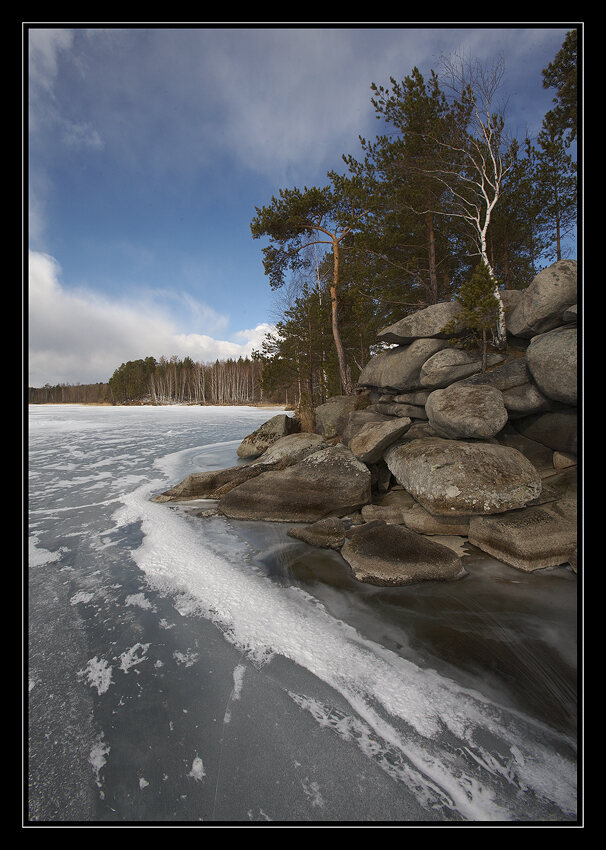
point(296, 220)
point(410, 235)
point(557, 189)
point(562, 74)
point(478, 313)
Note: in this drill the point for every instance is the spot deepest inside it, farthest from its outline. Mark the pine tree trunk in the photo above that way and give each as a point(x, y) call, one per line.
point(431, 248)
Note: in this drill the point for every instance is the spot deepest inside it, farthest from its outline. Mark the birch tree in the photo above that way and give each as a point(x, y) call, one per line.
point(474, 163)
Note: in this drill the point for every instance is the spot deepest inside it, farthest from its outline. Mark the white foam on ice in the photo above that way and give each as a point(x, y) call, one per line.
point(197, 771)
point(433, 725)
point(133, 656)
point(98, 674)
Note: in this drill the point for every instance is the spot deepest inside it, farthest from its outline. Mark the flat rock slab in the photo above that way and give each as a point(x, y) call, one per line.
point(529, 539)
point(399, 369)
point(326, 533)
point(267, 434)
point(422, 324)
point(373, 438)
point(329, 482)
point(213, 484)
point(453, 477)
point(392, 555)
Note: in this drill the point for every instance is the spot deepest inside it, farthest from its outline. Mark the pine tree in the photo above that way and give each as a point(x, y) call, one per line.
point(478, 313)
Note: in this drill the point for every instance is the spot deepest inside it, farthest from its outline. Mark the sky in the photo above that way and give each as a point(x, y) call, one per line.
point(149, 148)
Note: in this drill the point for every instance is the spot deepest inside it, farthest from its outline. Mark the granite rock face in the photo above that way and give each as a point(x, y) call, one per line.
point(330, 482)
point(399, 368)
point(274, 429)
point(545, 301)
point(552, 362)
point(452, 477)
point(460, 412)
point(430, 448)
point(529, 539)
point(392, 555)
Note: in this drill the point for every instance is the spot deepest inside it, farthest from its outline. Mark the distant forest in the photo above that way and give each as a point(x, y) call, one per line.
point(170, 381)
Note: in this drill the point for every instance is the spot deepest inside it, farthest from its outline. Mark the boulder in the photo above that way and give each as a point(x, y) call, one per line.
point(427, 323)
point(291, 449)
point(529, 539)
point(563, 460)
point(545, 301)
point(332, 416)
point(211, 485)
point(266, 435)
point(373, 438)
point(453, 477)
point(417, 398)
point(556, 429)
point(552, 362)
point(326, 533)
point(418, 519)
point(216, 483)
point(452, 364)
point(570, 314)
point(358, 419)
point(539, 455)
point(521, 396)
point(391, 555)
point(463, 412)
point(329, 482)
point(510, 299)
point(412, 411)
point(399, 368)
point(391, 514)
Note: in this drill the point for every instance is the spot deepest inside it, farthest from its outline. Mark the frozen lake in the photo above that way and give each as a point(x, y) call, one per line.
point(188, 670)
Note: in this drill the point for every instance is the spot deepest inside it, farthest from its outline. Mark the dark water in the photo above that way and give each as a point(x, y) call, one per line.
point(188, 670)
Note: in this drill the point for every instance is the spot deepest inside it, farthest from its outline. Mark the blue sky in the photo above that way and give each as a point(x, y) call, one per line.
point(149, 149)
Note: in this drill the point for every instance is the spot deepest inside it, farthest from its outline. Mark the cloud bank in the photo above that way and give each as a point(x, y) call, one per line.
point(77, 336)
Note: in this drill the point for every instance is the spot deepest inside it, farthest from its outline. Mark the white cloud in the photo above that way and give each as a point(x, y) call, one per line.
point(76, 336)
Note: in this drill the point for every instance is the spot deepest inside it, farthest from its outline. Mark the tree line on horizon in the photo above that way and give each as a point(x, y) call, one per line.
point(171, 380)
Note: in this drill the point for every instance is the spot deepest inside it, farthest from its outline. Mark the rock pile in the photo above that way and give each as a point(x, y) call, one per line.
point(430, 446)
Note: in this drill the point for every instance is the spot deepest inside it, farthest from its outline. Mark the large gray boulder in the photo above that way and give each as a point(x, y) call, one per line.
point(326, 533)
point(422, 324)
point(372, 439)
point(453, 364)
point(389, 555)
point(216, 483)
point(398, 369)
point(418, 519)
point(393, 408)
point(530, 539)
point(552, 361)
point(267, 434)
point(212, 484)
point(332, 416)
point(556, 429)
point(545, 301)
point(464, 412)
point(453, 477)
point(291, 449)
point(358, 419)
point(521, 396)
point(329, 482)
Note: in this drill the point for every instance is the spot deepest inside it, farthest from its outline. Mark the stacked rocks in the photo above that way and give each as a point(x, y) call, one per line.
point(432, 451)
